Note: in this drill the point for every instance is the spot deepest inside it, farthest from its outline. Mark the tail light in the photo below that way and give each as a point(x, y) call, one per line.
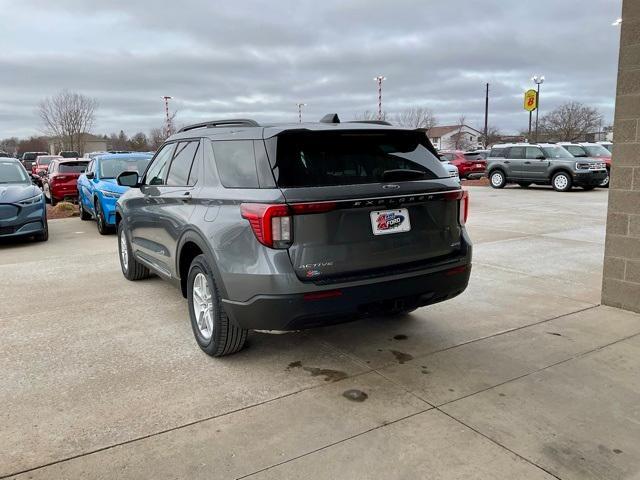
point(272, 224)
point(464, 207)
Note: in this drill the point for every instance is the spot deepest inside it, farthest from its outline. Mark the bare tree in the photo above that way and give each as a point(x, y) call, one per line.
point(68, 116)
point(415, 117)
point(369, 115)
point(570, 122)
point(157, 136)
point(493, 136)
point(460, 140)
point(139, 142)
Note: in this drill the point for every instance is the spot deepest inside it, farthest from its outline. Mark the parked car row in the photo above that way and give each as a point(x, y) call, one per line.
point(547, 164)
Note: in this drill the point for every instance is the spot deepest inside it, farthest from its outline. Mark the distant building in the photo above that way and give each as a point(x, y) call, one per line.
point(89, 143)
point(447, 137)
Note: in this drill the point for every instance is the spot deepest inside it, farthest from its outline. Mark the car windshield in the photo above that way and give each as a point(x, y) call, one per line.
point(72, 167)
point(321, 159)
point(596, 151)
point(12, 172)
point(112, 167)
point(556, 152)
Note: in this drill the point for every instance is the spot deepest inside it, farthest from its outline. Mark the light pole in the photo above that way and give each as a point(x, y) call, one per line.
point(379, 79)
point(300, 105)
point(166, 99)
point(538, 80)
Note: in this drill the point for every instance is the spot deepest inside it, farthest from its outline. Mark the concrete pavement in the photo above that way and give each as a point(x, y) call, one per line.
point(522, 376)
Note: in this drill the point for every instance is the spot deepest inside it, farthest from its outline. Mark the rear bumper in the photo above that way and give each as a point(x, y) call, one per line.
point(476, 175)
point(326, 307)
point(64, 191)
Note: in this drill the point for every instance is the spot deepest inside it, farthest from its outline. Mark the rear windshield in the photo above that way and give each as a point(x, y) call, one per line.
point(45, 160)
point(112, 167)
point(556, 152)
point(596, 151)
point(12, 172)
point(320, 159)
point(72, 167)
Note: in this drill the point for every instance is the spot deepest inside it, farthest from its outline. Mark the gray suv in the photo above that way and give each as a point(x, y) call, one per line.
point(542, 164)
point(286, 227)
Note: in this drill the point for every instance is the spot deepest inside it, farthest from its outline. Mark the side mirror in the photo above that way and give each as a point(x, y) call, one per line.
point(128, 179)
point(90, 175)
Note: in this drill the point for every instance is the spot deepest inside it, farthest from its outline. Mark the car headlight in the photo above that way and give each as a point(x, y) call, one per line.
point(31, 200)
point(583, 165)
point(109, 194)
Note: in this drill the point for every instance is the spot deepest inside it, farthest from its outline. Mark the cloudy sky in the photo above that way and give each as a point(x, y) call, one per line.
point(258, 58)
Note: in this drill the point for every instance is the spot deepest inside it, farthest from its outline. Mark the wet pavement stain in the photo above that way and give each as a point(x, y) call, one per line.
point(328, 374)
point(355, 395)
point(401, 356)
point(426, 372)
point(617, 450)
point(554, 333)
point(400, 337)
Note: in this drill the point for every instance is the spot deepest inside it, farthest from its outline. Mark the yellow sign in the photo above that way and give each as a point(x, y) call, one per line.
point(530, 100)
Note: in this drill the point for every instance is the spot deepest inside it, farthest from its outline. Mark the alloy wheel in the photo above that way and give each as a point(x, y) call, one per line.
point(203, 306)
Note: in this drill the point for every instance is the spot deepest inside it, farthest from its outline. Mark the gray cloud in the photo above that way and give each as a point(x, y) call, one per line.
point(259, 58)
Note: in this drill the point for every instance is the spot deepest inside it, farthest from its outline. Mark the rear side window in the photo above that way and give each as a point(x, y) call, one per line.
point(236, 163)
point(317, 159)
point(181, 164)
point(497, 152)
point(534, 152)
point(516, 152)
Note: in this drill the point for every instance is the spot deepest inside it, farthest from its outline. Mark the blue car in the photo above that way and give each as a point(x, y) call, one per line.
point(23, 212)
point(98, 190)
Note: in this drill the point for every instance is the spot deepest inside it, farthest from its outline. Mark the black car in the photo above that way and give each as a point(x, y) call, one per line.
point(23, 211)
point(285, 227)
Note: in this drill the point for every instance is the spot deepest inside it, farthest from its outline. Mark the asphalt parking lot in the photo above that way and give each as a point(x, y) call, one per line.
point(522, 376)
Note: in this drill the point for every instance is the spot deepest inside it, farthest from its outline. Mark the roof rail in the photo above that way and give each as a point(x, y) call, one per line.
point(330, 118)
point(231, 122)
point(375, 122)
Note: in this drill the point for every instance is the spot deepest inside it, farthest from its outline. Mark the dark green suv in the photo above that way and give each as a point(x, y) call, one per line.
point(542, 164)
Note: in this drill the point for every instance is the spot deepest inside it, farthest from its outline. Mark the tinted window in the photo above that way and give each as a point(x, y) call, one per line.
point(45, 160)
point(556, 152)
point(576, 150)
point(533, 152)
point(446, 157)
point(516, 152)
point(12, 172)
point(236, 163)
point(112, 167)
point(596, 150)
point(158, 169)
point(71, 167)
point(347, 158)
point(181, 164)
point(496, 152)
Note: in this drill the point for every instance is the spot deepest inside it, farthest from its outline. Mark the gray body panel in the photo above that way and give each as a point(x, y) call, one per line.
point(162, 219)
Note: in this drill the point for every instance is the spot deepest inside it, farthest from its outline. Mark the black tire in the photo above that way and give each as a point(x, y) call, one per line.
point(53, 201)
point(134, 270)
point(44, 235)
point(497, 179)
point(103, 228)
point(605, 182)
point(525, 184)
point(227, 337)
point(84, 215)
point(562, 182)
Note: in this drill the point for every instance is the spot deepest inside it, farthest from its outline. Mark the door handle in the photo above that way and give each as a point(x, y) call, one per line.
point(527, 163)
point(186, 196)
point(507, 161)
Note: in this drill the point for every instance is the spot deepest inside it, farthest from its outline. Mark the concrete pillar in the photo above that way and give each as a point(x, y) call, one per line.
point(621, 284)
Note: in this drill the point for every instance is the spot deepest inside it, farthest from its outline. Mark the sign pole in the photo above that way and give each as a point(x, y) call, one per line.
point(529, 136)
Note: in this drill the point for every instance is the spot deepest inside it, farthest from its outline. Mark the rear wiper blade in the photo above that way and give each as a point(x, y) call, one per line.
point(402, 174)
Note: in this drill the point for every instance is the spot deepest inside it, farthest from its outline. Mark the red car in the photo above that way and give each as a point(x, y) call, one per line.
point(41, 165)
point(470, 165)
point(60, 182)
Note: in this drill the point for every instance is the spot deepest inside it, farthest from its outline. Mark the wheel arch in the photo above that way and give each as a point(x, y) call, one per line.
point(191, 244)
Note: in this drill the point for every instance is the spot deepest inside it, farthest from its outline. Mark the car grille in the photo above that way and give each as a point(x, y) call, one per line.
point(453, 174)
point(8, 211)
point(7, 230)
